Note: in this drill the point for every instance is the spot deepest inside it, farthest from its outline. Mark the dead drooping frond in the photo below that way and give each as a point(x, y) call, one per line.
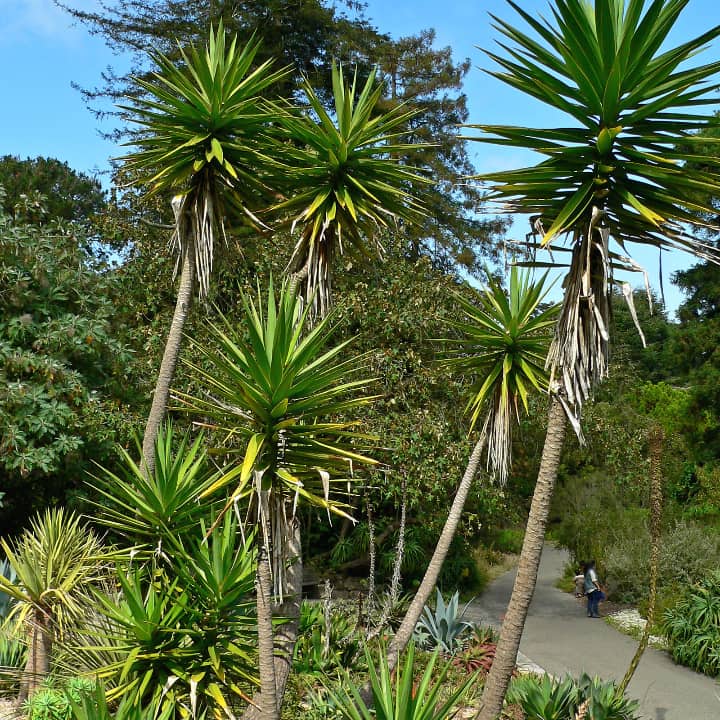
point(616, 172)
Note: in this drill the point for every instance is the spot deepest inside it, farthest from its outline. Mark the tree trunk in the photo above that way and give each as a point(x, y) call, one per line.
point(266, 662)
point(656, 502)
point(37, 666)
point(286, 634)
point(405, 631)
point(514, 622)
point(169, 362)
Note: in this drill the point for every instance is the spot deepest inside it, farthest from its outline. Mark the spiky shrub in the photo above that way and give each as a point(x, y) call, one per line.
point(176, 629)
point(403, 698)
point(443, 627)
point(58, 562)
point(548, 698)
point(692, 627)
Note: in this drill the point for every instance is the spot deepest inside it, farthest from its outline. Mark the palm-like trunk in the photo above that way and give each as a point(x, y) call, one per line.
point(169, 361)
point(405, 631)
point(512, 628)
point(37, 666)
point(266, 664)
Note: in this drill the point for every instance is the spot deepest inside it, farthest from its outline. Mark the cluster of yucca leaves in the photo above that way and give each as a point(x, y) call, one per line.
point(693, 627)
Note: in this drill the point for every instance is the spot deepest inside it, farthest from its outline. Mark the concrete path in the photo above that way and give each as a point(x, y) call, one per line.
point(562, 639)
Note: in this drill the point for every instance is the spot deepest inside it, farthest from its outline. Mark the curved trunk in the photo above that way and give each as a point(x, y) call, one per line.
point(405, 631)
point(169, 362)
point(37, 666)
point(524, 587)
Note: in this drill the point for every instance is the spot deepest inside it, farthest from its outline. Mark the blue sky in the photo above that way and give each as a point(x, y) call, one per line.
point(41, 54)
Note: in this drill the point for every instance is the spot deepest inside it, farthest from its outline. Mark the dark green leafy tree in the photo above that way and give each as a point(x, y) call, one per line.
point(67, 194)
point(65, 373)
point(612, 178)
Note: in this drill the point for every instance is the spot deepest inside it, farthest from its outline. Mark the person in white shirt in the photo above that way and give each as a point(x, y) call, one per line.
point(592, 590)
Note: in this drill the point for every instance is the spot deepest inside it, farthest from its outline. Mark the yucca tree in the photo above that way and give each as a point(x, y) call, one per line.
point(502, 345)
point(57, 562)
point(346, 185)
point(611, 178)
point(274, 387)
point(201, 138)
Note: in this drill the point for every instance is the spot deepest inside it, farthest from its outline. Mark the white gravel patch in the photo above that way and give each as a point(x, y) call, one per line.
point(630, 622)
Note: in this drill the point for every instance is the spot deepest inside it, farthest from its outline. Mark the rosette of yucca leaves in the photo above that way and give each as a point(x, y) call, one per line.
point(202, 137)
point(346, 184)
point(501, 345)
point(615, 174)
point(281, 393)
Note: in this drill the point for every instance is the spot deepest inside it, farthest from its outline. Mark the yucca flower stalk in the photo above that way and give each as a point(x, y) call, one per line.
point(612, 178)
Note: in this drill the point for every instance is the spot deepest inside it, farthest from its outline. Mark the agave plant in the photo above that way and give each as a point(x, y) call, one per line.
point(201, 137)
point(346, 185)
point(443, 627)
point(613, 177)
point(402, 699)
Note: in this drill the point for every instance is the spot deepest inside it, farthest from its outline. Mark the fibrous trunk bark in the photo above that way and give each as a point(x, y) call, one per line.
point(512, 628)
point(169, 362)
point(267, 702)
point(432, 573)
point(656, 503)
point(286, 634)
point(37, 666)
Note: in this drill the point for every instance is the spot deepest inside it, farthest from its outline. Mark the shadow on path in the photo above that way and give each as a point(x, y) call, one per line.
point(562, 639)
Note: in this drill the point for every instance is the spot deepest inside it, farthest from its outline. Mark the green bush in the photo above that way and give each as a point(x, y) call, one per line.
point(692, 627)
point(688, 552)
point(509, 540)
point(547, 698)
point(52, 702)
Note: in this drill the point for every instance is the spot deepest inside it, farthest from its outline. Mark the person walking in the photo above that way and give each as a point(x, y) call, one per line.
point(592, 590)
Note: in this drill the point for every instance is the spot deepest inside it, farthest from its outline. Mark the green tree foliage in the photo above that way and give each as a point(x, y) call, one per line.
point(308, 36)
point(67, 194)
point(64, 374)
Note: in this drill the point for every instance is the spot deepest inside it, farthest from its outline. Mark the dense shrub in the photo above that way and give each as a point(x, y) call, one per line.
point(693, 627)
point(688, 552)
point(54, 702)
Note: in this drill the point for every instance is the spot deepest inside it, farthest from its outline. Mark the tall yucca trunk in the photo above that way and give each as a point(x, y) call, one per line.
point(169, 361)
point(266, 664)
point(656, 502)
point(512, 628)
point(432, 573)
point(39, 651)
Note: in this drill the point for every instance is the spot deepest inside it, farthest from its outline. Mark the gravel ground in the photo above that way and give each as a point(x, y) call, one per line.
point(629, 622)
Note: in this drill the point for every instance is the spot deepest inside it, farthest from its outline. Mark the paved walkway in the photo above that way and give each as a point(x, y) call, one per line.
point(562, 639)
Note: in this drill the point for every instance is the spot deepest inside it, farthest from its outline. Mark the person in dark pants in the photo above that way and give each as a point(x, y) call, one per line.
point(592, 590)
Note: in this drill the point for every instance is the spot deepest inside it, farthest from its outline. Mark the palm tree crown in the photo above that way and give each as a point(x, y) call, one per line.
point(345, 181)
point(502, 343)
point(203, 134)
point(616, 172)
